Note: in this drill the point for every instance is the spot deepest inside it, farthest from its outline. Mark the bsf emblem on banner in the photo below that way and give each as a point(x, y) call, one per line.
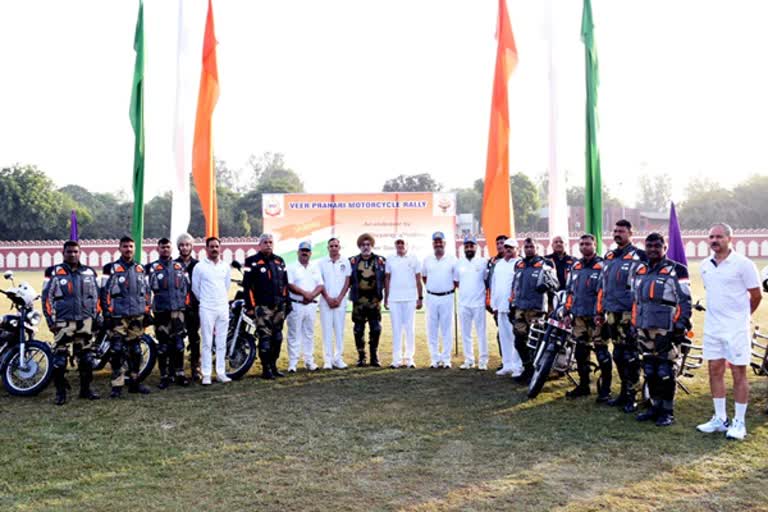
point(443, 204)
point(273, 205)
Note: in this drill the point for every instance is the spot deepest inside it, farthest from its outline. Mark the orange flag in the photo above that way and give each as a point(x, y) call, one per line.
point(203, 172)
point(497, 201)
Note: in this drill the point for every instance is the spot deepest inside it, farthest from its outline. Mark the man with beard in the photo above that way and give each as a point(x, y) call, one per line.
point(71, 306)
point(366, 291)
point(440, 278)
point(335, 272)
point(561, 260)
point(661, 313)
point(266, 300)
point(126, 304)
point(402, 297)
point(581, 304)
point(733, 294)
point(471, 278)
point(614, 315)
point(489, 278)
point(191, 313)
point(500, 289)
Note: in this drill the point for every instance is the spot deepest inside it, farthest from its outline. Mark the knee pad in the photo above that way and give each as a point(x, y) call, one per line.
point(665, 369)
point(179, 344)
point(118, 345)
point(135, 348)
point(630, 356)
point(359, 328)
point(603, 355)
point(162, 349)
point(278, 337)
point(59, 360)
point(649, 367)
point(265, 344)
point(85, 361)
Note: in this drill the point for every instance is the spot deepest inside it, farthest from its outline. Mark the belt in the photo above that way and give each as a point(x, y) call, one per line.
point(302, 302)
point(439, 294)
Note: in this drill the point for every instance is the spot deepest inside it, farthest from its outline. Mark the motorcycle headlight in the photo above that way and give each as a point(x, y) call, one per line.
point(33, 317)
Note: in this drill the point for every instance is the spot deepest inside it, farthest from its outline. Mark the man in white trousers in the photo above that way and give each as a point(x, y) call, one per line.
point(210, 284)
point(335, 272)
point(402, 297)
point(472, 270)
point(732, 285)
point(501, 292)
point(439, 275)
point(305, 284)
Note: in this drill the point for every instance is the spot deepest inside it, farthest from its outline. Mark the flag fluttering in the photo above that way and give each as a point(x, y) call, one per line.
point(73, 234)
point(137, 122)
point(203, 171)
point(497, 200)
point(676, 248)
point(593, 188)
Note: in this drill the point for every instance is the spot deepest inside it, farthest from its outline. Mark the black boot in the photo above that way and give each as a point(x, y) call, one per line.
point(61, 384)
point(666, 418)
point(579, 391)
point(374, 346)
point(621, 399)
point(266, 366)
point(360, 346)
point(164, 383)
point(182, 380)
point(137, 387)
point(275, 355)
point(606, 368)
point(117, 392)
point(86, 392)
point(652, 414)
point(582, 365)
point(630, 403)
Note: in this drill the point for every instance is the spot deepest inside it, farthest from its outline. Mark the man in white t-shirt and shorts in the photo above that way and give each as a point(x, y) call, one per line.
point(733, 294)
point(402, 297)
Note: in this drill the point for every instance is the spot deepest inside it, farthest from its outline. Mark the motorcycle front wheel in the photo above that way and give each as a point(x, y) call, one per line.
point(242, 357)
point(34, 376)
point(541, 370)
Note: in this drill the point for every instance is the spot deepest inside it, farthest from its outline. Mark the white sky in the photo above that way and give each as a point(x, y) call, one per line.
point(354, 92)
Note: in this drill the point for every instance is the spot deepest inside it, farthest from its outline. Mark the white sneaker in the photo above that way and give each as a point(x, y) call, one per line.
point(223, 379)
point(505, 371)
point(292, 368)
point(714, 425)
point(447, 364)
point(327, 366)
point(311, 367)
point(482, 367)
point(466, 365)
point(206, 381)
point(434, 366)
point(738, 430)
point(341, 365)
point(395, 365)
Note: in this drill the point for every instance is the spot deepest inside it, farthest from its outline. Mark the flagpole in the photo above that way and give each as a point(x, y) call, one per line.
point(558, 201)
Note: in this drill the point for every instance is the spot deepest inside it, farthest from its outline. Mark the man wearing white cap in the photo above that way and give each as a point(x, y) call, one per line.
point(501, 292)
point(472, 272)
point(402, 297)
point(305, 283)
point(335, 272)
point(439, 274)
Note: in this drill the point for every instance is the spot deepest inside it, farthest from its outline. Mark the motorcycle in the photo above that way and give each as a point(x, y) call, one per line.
point(26, 364)
point(241, 339)
point(102, 354)
point(759, 363)
point(553, 346)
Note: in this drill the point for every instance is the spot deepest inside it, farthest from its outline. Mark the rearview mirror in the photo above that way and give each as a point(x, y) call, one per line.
point(236, 265)
point(8, 274)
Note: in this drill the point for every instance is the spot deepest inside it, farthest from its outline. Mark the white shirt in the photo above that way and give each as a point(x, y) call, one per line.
point(402, 279)
point(472, 281)
point(440, 274)
point(334, 274)
point(306, 278)
point(210, 284)
point(728, 306)
point(501, 284)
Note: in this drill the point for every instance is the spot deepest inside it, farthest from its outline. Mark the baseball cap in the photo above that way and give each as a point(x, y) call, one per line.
point(400, 238)
point(438, 235)
point(470, 239)
point(305, 246)
point(510, 242)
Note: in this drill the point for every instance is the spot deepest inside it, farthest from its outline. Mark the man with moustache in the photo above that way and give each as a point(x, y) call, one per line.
point(581, 303)
point(335, 272)
point(210, 284)
point(440, 277)
point(661, 313)
point(191, 312)
point(733, 295)
point(561, 260)
point(402, 297)
point(366, 291)
point(126, 305)
point(614, 315)
point(488, 279)
point(305, 284)
point(471, 278)
point(535, 277)
point(266, 300)
point(500, 289)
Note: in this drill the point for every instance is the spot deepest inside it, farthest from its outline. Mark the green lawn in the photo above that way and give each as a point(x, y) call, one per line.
point(374, 439)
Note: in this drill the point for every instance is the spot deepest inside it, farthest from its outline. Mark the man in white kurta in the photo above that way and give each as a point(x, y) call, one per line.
point(402, 297)
point(471, 270)
point(305, 284)
point(501, 291)
point(439, 275)
point(335, 272)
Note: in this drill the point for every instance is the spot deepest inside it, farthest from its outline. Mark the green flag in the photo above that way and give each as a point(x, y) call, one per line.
point(593, 189)
point(137, 122)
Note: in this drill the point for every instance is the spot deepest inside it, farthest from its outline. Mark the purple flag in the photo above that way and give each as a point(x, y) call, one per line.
point(73, 226)
point(676, 250)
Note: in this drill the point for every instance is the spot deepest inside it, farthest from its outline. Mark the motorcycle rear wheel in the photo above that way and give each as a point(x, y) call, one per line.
point(541, 370)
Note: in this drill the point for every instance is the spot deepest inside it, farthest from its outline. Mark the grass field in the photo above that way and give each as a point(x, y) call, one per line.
point(374, 439)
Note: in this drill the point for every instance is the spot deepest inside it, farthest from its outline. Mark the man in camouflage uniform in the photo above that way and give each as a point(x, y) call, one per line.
point(266, 300)
point(661, 313)
point(169, 283)
point(126, 304)
point(581, 303)
point(614, 306)
point(71, 306)
point(366, 291)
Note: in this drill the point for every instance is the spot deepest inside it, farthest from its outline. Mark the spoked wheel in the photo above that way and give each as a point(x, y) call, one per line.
point(30, 379)
point(242, 357)
point(541, 370)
